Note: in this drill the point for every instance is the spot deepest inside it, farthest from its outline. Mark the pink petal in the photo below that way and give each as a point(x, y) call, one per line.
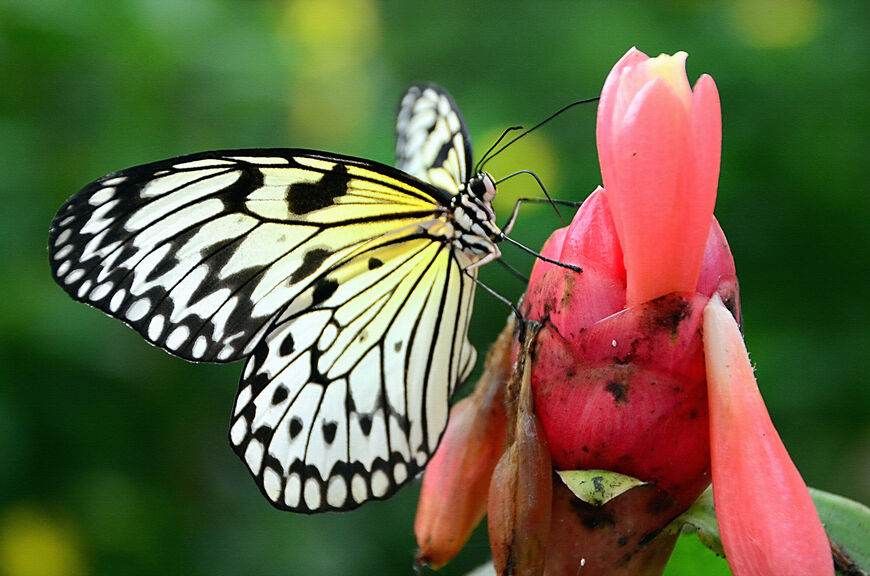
point(592, 237)
point(651, 156)
point(607, 105)
point(767, 521)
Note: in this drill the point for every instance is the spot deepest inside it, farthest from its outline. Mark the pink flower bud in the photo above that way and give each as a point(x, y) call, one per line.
point(456, 483)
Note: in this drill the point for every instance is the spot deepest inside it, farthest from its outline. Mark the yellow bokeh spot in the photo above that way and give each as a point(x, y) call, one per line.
point(332, 89)
point(343, 29)
point(33, 543)
point(533, 152)
point(777, 23)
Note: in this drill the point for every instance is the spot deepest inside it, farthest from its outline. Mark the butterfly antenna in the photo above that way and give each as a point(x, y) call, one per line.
point(481, 164)
point(541, 184)
point(500, 138)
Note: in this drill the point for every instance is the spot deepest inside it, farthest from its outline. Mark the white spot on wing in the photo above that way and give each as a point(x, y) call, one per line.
point(239, 431)
point(358, 488)
point(380, 483)
point(272, 484)
point(84, 288)
point(327, 337)
point(199, 347)
point(101, 291)
point(98, 220)
point(336, 492)
point(265, 160)
point(117, 300)
point(254, 455)
point(177, 337)
point(293, 491)
point(62, 237)
point(242, 399)
point(74, 276)
point(155, 327)
point(313, 496)
point(204, 163)
point(400, 472)
point(101, 196)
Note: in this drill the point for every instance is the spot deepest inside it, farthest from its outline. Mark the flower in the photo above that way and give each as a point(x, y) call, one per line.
point(767, 520)
point(619, 380)
point(632, 347)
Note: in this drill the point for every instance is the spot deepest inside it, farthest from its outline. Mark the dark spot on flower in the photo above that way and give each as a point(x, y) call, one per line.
point(648, 537)
point(623, 540)
point(598, 483)
point(660, 504)
point(619, 390)
point(592, 517)
point(693, 414)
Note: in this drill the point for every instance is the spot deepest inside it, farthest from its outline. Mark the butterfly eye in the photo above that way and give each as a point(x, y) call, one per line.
point(482, 186)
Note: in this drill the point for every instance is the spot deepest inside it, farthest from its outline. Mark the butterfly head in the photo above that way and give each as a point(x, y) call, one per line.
point(482, 186)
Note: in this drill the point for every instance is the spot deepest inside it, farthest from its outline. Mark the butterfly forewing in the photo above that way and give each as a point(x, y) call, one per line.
point(432, 141)
point(199, 253)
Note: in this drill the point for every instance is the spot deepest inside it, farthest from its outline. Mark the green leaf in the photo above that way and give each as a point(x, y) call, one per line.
point(700, 518)
point(597, 487)
point(848, 526)
point(847, 523)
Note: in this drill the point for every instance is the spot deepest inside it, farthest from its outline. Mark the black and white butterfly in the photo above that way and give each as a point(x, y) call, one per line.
point(347, 285)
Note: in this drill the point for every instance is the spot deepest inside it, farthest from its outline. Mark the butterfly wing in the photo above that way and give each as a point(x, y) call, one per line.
point(200, 253)
point(328, 271)
point(432, 141)
point(346, 399)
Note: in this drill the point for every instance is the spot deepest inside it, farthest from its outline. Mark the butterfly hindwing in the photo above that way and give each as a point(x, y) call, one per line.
point(199, 253)
point(345, 400)
point(432, 140)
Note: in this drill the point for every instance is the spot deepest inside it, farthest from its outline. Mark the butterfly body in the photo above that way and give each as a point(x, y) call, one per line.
point(347, 285)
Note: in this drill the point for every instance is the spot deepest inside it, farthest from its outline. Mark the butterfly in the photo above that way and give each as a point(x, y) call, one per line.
point(346, 285)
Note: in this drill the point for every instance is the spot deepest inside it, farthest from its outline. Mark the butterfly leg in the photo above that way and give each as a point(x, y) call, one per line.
point(540, 256)
point(521, 323)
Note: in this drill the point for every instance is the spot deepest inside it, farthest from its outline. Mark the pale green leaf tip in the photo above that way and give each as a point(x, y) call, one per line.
point(597, 487)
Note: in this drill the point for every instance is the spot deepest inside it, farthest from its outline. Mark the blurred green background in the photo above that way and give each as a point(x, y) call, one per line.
point(113, 455)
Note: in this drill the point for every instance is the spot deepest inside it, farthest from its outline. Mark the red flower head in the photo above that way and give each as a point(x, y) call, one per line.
point(620, 381)
point(627, 350)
